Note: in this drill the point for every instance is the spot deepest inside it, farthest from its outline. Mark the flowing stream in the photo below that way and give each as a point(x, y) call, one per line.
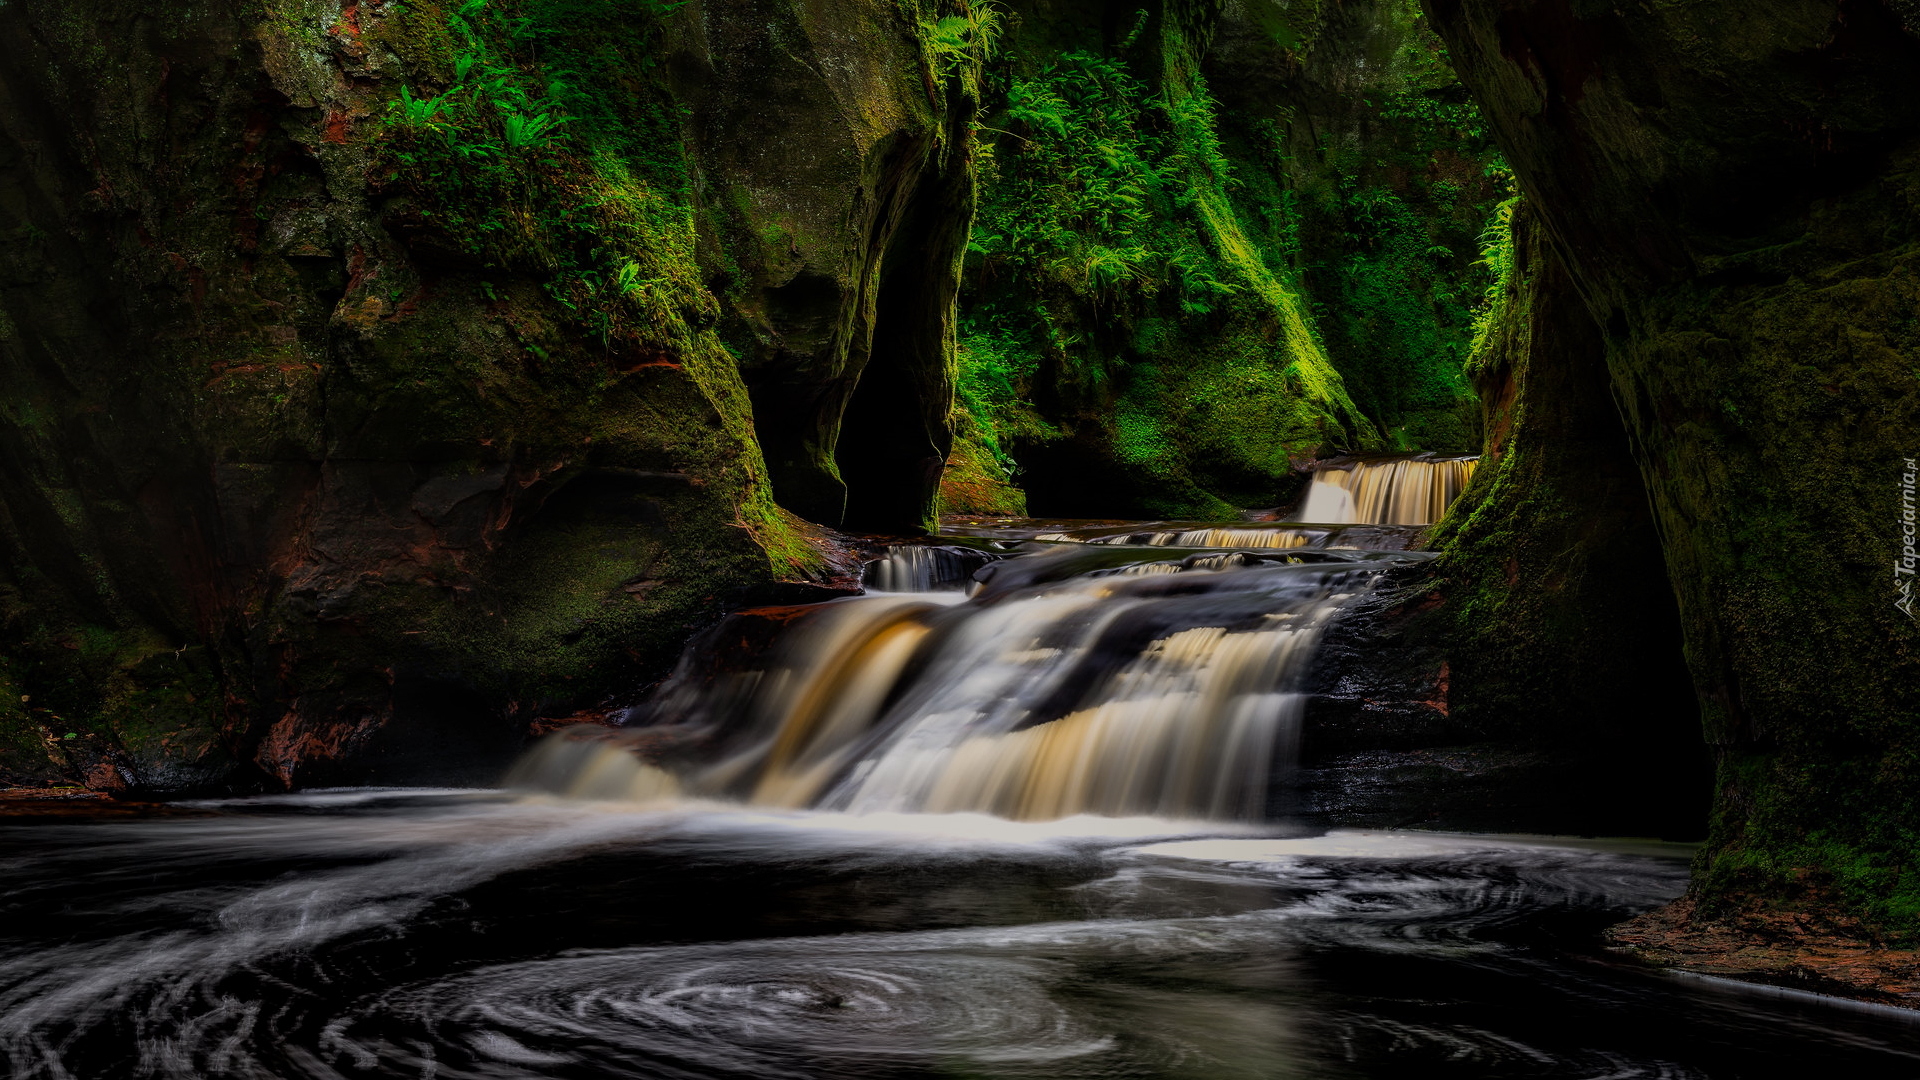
point(1068, 682)
point(1013, 814)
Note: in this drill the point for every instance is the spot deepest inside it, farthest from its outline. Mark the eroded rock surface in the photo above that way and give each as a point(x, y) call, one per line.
point(1735, 192)
point(346, 431)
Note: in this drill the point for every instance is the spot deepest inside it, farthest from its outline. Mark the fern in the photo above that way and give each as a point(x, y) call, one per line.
point(523, 131)
point(1105, 269)
point(959, 45)
point(416, 112)
point(1496, 254)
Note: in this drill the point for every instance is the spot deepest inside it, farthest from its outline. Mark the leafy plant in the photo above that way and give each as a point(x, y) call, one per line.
point(958, 46)
point(1105, 268)
point(1093, 190)
point(523, 131)
point(1496, 254)
point(550, 154)
point(626, 279)
point(417, 112)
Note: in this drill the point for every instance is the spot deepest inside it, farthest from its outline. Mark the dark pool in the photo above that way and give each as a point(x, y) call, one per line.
point(475, 934)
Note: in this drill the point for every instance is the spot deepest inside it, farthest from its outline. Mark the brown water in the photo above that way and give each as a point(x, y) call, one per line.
point(1070, 681)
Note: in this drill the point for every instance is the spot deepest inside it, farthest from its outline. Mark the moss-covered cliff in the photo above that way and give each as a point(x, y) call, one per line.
point(380, 377)
point(1215, 240)
point(1560, 627)
point(1734, 190)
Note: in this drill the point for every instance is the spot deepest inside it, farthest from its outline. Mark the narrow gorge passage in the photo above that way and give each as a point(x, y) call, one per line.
point(959, 540)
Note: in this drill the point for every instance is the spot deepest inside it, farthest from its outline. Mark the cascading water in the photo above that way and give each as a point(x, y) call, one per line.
point(1068, 683)
point(1071, 682)
point(711, 910)
point(1352, 504)
point(1211, 536)
point(923, 568)
point(1400, 491)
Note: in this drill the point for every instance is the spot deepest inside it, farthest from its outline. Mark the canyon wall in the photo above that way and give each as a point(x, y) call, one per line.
point(1733, 190)
point(383, 378)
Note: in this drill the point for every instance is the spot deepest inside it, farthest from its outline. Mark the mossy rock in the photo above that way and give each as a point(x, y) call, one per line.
point(1733, 191)
point(398, 374)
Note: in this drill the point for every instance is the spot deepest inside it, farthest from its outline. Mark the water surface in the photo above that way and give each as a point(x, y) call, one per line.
point(477, 934)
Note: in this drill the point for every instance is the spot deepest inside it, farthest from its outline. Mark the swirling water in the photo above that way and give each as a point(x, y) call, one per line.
point(484, 935)
point(873, 850)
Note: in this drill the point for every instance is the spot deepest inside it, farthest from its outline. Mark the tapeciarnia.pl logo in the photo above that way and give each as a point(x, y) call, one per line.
point(1903, 567)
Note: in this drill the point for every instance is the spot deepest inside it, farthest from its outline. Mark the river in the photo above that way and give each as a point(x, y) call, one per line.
point(1020, 812)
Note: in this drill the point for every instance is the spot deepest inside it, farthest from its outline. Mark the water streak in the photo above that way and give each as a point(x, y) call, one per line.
point(909, 568)
point(481, 937)
point(1402, 491)
point(1207, 536)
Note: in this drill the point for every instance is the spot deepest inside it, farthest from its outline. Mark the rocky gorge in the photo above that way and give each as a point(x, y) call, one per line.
point(386, 383)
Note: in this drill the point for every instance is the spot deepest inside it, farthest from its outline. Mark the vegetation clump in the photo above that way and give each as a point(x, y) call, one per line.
point(541, 154)
point(1202, 291)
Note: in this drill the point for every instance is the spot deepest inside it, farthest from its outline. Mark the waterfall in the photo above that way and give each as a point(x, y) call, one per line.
point(1212, 536)
point(1084, 680)
point(1398, 491)
point(1373, 503)
point(923, 568)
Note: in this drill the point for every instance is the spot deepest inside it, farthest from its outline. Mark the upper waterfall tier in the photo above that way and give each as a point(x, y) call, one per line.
point(1382, 491)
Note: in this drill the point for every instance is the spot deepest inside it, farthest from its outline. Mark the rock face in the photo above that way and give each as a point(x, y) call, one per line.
point(381, 378)
point(1532, 678)
point(1564, 703)
point(1734, 190)
point(1369, 166)
point(832, 148)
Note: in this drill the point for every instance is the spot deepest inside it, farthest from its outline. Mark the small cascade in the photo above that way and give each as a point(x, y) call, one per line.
point(1212, 536)
point(1399, 491)
point(1082, 680)
point(1373, 504)
point(907, 568)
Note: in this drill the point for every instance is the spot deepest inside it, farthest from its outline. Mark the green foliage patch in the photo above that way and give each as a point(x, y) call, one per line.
point(1202, 294)
point(1389, 200)
point(1115, 299)
point(547, 151)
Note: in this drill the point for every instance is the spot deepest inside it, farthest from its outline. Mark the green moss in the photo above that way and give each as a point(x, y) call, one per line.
point(1152, 258)
point(974, 481)
point(543, 154)
point(1114, 301)
point(1497, 255)
point(165, 708)
point(1779, 493)
point(551, 151)
point(1560, 626)
point(1388, 190)
point(1794, 832)
point(113, 707)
